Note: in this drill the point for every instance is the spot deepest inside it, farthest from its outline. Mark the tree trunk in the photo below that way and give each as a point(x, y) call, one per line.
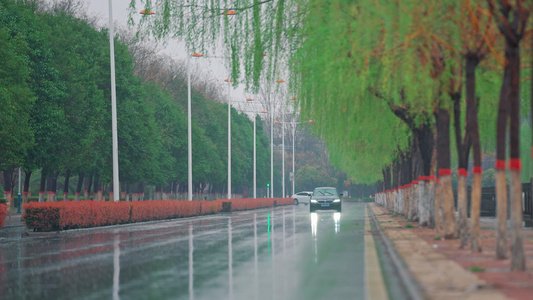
point(431, 197)
point(462, 207)
point(396, 167)
point(158, 193)
point(443, 165)
point(423, 213)
point(8, 191)
point(501, 184)
point(42, 186)
point(97, 192)
point(140, 187)
point(438, 223)
point(26, 186)
point(518, 261)
point(475, 212)
point(501, 213)
point(79, 186)
point(415, 194)
point(65, 188)
point(463, 149)
point(51, 186)
point(472, 130)
point(54, 186)
point(88, 184)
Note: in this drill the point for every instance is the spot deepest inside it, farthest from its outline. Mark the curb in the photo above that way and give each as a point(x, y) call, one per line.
point(437, 276)
point(410, 284)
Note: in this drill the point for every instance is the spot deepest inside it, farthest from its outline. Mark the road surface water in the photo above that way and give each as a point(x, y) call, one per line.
point(278, 253)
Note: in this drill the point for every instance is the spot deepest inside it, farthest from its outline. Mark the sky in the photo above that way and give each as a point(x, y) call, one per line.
point(215, 67)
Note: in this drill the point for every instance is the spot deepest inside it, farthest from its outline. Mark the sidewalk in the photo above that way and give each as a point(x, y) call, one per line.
point(15, 220)
point(443, 271)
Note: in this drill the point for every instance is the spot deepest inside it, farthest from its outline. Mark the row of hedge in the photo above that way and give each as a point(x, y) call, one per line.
point(3, 214)
point(64, 215)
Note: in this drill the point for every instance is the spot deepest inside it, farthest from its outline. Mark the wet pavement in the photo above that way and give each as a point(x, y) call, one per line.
point(280, 253)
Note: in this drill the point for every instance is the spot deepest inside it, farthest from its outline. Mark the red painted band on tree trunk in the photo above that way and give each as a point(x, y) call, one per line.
point(500, 164)
point(387, 191)
point(65, 193)
point(431, 177)
point(515, 164)
point(41, 192)
point(25, 193)
point(415, 181)
point(445, 172)
point(77, 193)
point(477, 170)
point(437, 180)
point(7, 192)
point(462, 172)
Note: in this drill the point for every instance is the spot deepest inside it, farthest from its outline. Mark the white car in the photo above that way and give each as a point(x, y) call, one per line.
point(302, 197)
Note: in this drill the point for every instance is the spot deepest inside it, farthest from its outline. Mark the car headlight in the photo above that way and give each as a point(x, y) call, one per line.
point(337, 200)
point(313, 201)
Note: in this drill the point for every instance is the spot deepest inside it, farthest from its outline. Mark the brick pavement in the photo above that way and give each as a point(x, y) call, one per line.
point(442, 270)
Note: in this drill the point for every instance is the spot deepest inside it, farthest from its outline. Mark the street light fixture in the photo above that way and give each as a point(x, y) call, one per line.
point(146, 12)
point(229, 12)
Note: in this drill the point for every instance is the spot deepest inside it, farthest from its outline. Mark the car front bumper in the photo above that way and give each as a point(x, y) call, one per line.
point(325, 205)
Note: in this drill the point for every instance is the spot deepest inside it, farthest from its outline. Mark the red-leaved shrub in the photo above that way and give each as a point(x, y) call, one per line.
point(52, 216)
point(81, 214)
point(3, 214)
point(42, 216)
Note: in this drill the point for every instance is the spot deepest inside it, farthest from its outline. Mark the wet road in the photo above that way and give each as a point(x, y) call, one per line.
point(281, 253)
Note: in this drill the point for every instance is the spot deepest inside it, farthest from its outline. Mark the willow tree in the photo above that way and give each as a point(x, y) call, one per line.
point(467, 32)
point(362, 86)
point(512, 19)
point(478, 41)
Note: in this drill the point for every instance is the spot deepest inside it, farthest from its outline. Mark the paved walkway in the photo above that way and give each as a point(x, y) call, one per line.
point(443, 270)
point(15, 220)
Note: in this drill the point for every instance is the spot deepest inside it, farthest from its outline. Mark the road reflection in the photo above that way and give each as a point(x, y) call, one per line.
point(116, 267)
point(191, 263)
point(324, 218)
point(264, 254)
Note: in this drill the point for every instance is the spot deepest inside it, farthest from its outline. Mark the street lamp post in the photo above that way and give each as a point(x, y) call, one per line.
point(293, 174)
point(283, 154)
point(271, 148)
point(272, 143)
point(189, 127)
point(189, 133)
point(255, 152)
point(116, 187)
point(293, 136)
point(229, 81)
point(255, 161)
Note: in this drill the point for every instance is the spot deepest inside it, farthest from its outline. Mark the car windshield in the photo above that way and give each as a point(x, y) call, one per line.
point(325, 192)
